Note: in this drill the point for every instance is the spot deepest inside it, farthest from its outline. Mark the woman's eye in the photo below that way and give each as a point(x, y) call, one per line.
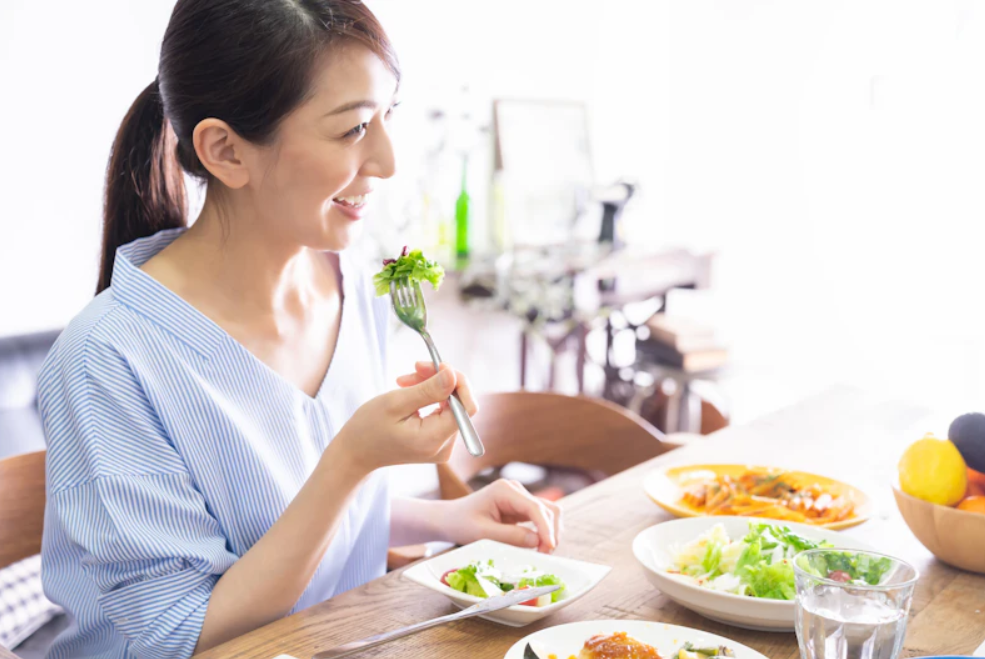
point(392, 108)
point(357, 131)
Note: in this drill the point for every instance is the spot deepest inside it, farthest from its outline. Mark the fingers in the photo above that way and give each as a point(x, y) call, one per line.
point(434, 389)
point(514, 500)
point(409, 380)
point(437, 426)
point(464, 393)
point(463, 389)
point(558, 519)
point(511, 534)
point(424, 369)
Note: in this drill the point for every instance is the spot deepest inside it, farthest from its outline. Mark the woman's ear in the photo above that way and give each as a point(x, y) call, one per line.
point(221, 151)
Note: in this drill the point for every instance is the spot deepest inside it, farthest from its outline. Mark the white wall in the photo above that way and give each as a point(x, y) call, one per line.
point(68, 73)
point(830, 151)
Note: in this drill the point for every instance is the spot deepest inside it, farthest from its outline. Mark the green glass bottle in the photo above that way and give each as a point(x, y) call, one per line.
point(462, 218)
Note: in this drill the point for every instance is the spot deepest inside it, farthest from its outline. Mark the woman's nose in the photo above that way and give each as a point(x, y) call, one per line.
point(381, 162)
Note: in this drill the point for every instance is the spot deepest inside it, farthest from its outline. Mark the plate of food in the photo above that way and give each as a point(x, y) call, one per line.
point(486, 568)
point(736, 570)
point(627, 639)
point(754, 491)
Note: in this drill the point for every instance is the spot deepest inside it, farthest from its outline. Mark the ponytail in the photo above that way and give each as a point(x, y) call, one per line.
point(145, 187)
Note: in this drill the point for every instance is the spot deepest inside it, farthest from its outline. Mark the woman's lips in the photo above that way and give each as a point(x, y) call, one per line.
point(351, 207)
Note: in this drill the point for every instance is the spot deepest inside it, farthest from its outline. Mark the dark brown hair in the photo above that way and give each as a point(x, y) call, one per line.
point(247, 62)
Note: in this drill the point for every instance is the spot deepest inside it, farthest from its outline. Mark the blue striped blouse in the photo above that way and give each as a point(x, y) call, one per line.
point(172, 450)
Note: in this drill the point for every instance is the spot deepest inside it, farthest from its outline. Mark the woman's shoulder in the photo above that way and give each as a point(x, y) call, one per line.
point(97, 420)
point(98, 333)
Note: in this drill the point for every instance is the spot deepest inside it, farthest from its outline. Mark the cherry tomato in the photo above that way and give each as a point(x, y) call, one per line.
point(532, 602)
point(840, 575)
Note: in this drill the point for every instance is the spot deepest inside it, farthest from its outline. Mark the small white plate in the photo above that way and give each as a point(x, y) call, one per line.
point(652, 549)
point(579, 577)
point(568, 640)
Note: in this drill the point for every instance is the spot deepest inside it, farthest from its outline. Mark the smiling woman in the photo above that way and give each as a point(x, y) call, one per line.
point(236, 107)
point(216, 418)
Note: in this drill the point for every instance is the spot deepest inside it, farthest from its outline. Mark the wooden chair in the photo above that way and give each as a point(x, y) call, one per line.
point(546, 429)
point(22, 510)
point(553, 430)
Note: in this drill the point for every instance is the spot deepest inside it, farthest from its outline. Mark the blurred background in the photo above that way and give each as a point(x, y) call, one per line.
point(795, 186)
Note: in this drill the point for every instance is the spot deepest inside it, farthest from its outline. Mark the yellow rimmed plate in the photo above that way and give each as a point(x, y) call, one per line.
point(666, 487)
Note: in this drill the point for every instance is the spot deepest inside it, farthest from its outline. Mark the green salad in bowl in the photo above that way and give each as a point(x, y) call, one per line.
point(760, 564)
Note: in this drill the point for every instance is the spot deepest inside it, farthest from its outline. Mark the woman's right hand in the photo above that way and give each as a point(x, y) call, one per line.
point(389, 429)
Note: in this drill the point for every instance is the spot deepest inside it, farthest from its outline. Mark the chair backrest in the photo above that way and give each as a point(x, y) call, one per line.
point(20, 361)
point(22, 499)
point(553, 430)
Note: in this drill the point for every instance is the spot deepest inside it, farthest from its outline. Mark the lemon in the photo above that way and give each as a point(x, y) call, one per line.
point(932, 469)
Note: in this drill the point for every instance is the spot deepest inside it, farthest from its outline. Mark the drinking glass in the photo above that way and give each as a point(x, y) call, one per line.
point(852, 604)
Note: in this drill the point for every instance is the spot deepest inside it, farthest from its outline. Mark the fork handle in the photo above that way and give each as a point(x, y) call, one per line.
point(465, 427)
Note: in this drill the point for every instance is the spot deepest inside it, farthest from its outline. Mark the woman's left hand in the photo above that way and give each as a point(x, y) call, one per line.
point(496, 511)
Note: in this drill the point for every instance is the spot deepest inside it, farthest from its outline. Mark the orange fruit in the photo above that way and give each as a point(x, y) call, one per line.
point(976, 484)
point(973, 505)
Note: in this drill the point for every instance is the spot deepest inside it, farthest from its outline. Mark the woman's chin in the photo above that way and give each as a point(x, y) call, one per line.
point(338, 236)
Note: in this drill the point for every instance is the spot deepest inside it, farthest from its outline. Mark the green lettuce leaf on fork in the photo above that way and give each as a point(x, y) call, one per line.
point(410, 265)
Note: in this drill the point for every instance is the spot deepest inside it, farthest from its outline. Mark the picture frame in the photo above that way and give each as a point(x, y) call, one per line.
point(543, 160)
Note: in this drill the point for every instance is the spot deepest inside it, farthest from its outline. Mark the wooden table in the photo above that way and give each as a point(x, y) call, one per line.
point(842, 432)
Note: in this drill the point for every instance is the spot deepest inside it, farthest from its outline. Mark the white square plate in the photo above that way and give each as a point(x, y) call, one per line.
point(579, 577)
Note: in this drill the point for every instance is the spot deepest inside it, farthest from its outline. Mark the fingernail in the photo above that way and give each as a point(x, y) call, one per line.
point(446, 378)
point(532, 540)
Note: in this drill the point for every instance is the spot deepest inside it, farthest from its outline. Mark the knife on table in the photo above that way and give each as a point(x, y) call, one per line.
point(485, 606)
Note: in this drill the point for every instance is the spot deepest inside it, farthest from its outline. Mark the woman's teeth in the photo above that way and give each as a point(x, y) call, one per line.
point(351, 201)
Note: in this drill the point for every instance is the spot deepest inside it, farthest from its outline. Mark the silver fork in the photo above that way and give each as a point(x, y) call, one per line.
point(408, 303)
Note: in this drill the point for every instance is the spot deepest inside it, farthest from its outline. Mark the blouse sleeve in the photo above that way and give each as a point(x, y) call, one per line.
point(126, 501)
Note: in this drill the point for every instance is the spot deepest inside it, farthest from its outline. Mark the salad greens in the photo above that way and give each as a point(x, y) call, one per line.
point(846, 566)
point(688, 651)
point(758, 565)
point(482, 579)
point(410, 265)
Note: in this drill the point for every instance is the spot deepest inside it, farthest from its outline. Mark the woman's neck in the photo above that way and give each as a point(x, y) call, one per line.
point(230, 262)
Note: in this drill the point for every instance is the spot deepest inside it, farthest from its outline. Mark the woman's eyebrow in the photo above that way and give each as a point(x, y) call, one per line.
point(354, 105)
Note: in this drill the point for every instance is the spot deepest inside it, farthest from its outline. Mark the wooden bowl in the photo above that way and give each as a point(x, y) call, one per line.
point(956, 537)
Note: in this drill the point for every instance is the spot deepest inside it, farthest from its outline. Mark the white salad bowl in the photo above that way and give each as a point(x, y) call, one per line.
point(653, 549)
point(579, 577)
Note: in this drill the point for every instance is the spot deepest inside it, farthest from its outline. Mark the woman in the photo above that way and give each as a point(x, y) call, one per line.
point(217, 435)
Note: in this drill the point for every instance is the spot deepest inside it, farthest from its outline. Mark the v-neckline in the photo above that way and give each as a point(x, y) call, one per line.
point(329, 371)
